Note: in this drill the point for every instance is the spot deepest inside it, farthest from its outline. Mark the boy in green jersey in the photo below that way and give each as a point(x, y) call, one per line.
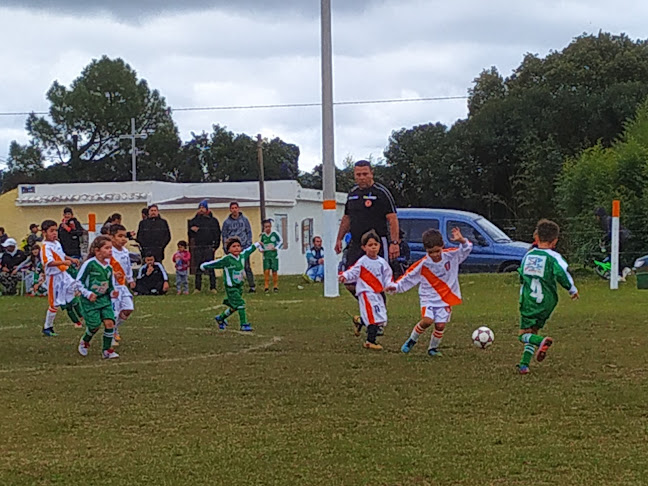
point(97, 286)
point(541, 268)
point(271, 241)
point(233, 266)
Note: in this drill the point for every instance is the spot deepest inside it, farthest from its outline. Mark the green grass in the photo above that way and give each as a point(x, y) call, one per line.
point(299, 401)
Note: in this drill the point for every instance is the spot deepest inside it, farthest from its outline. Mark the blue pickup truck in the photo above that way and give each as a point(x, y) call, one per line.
point(493, 250)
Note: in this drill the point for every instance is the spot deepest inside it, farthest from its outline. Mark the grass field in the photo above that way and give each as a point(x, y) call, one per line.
point(299, 401)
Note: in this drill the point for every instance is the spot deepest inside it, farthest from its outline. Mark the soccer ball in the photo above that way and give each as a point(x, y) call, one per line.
point(483, 337)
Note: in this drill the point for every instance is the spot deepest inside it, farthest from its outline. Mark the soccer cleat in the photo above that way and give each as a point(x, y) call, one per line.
point(407, 347)
point(307, 279)
point(267, 291)
point(83, 348)
point(109, 354)
point(542, 350)
point(357, 325)
point(434, 352)
point(381, 331)
point(49, 332)
point(276, 290)
point(252, 290)
point(222, 323)
point(78, 325)
point(197, 292)
point(374, 346)
point(523, 369)
point(246, 327)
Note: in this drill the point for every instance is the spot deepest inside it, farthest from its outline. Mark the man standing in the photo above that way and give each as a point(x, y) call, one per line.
point(369, 206)
point(238, 225)
point(205, 232)
point(70, 232)
point(153, 234)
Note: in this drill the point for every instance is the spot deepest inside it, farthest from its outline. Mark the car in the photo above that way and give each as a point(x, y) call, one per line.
point(493, 251)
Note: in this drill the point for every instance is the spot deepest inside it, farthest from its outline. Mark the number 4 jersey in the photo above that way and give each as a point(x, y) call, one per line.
point(539, 272)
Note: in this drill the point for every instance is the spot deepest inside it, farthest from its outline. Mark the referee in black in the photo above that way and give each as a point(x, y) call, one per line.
point(369, 206)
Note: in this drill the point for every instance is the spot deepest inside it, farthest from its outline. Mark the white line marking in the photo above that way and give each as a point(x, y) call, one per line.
point(257, 347)
point(289, 302)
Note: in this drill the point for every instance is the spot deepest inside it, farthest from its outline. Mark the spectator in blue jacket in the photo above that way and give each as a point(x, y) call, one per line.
point(315, 260)
point(238, 225)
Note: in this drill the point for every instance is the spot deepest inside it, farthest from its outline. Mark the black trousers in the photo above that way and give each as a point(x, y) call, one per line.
point(204, 254)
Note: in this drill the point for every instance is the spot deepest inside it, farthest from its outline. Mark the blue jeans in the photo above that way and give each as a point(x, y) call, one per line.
point(182, 280)
point(316, 273)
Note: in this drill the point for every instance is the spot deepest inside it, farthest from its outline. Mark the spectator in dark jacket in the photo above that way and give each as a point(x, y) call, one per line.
point(3, 236)
point(238, 225)
point(11, 259)
point(153, 234)
point(70, 232)
point(152, 279)
point(205, 232)
point(33, 237)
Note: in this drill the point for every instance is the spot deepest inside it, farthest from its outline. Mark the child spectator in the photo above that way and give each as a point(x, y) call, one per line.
point(182, 260)
point(152, 279)
point(34, 274)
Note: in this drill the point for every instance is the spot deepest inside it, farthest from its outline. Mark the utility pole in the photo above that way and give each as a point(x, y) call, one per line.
point(329, 206)
point(261, 179)
point(133, 137)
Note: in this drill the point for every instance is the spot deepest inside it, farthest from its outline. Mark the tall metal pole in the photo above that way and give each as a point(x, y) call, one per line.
point(261, 179)
point(133, 151)
point(331, 286)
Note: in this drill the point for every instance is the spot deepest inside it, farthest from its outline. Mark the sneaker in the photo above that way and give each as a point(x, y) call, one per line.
point(50, 332)
point(197, 292)
point(357, 325)
point(276, 290)
point(78, 325)
point(374, 346)
point(222, 323)
point(214, 291)
point(542, 350)
point(252, 290)
point(246, 328)
point(83, 348)
point(407, 347)
point(523, 370)
point(267, 291)
point(109, 354)
point(434, 352)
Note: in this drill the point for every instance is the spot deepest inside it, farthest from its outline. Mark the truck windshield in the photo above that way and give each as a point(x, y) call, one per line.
point(497, 235)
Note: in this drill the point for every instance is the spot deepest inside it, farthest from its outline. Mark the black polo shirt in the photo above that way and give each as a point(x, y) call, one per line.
point(368, 210)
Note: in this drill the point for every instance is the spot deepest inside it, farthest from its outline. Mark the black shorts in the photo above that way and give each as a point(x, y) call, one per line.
point(355, 252)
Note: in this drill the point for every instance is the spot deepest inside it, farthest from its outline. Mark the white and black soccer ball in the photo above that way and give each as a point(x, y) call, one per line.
point(483, 337)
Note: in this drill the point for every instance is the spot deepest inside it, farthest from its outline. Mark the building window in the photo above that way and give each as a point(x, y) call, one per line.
point(281, 227)
point(306, 234)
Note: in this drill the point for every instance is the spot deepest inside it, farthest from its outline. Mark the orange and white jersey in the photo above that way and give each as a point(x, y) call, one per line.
point(121, 265)
point(370, 275)
point(438, 281)
point(52, 251)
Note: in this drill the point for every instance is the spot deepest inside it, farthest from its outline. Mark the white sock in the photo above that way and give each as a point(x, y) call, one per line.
point(49, 319)
point(435, 341)
point(416, 332)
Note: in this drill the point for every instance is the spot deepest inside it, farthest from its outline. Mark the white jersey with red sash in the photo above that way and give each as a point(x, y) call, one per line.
point(61, 287)
point(371, 276)
point(123, 272)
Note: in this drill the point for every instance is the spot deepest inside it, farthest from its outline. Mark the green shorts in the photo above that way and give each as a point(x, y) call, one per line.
point(529, 322)
point(94, 316)
point(234, 299)
point(271, 263)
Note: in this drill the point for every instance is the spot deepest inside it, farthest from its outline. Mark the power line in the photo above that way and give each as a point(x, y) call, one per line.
point(275, 106)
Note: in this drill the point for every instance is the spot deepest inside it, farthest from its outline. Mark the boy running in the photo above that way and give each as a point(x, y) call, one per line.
point(61, 287)
point(271, 242)
point(372, 275)
point(541, 268)
point(437, 276)
point(233, 266)
point(123, 271)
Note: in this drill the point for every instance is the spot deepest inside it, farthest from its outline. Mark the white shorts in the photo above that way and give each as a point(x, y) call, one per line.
point(123, 302)
point(372, 308)
point(437, 314)
point(61, 289)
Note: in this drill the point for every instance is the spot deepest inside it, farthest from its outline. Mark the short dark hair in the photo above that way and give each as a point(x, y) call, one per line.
point(316, 236)
point(183, 243)
point(114, 217)
point(153, 206)
point(230, 241)
point(105, 229)
point(432, 238)
point(268, 221)
point(369, 235)
point(234, 203)
point(32, 226)
point(114, 228)
point(145, 211)
point(2, 229)
point(362, 163)
point(149, 254)
point(547, 231)
point(68, 210)
point(47, 224)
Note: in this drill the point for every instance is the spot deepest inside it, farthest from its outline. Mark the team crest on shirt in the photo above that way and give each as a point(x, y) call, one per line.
point(534, 265)
point(368, 203)
point(447, 266)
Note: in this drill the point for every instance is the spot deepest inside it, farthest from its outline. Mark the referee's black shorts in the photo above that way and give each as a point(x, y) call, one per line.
point(355, 252)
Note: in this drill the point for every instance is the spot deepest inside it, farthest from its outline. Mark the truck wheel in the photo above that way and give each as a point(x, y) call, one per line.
point(509, 267)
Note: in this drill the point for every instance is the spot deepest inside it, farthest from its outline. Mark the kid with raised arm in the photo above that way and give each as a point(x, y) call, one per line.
point(372, 276)
point(437, 276)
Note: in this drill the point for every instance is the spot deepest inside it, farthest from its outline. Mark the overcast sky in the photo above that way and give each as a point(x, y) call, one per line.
point(242, 52)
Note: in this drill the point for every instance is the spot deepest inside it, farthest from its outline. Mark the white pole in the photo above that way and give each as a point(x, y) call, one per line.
point(133, 150)
point(331, 286)
point(614, 272)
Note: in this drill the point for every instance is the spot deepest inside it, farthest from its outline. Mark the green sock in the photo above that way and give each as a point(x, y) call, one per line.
point(107, 339)
point(243, 316)
point(529, 351)
point(73, 311)
point(226, 313)
point(89, 333)
point(529, 338)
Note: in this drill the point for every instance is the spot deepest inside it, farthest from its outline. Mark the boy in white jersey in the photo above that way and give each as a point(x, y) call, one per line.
point(437, 276)
point(123, 271)
point(61, 287)
point(372, 275)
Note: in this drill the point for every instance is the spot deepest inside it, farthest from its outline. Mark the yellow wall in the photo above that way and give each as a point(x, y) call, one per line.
point(16, 220)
